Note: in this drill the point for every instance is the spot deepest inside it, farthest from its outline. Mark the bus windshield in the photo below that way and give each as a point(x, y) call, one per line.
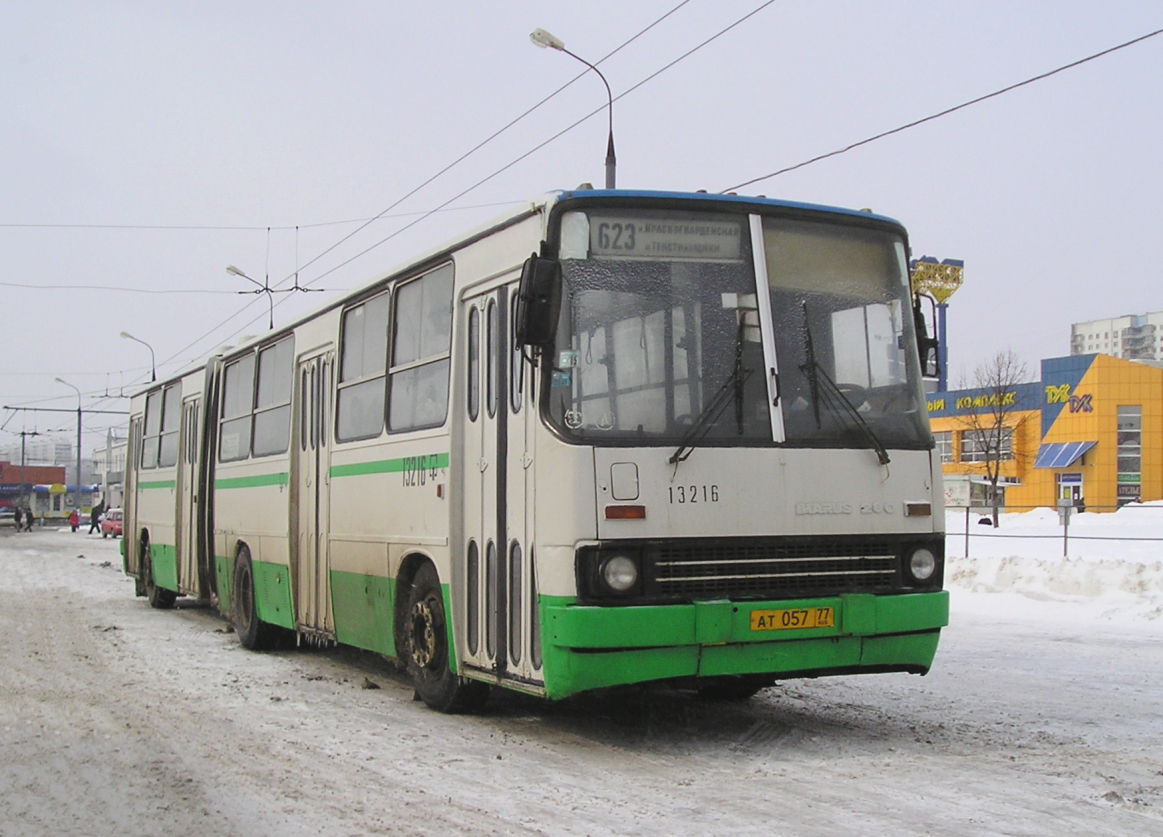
point(661, 337)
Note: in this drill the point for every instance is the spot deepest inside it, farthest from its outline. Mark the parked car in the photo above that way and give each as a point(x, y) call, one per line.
point(111, 523)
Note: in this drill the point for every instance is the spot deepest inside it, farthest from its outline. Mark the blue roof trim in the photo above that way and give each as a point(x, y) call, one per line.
point(1061, 454)
point(717, 198)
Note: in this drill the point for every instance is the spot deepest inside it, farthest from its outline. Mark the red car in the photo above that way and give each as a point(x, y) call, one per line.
point(111, 523)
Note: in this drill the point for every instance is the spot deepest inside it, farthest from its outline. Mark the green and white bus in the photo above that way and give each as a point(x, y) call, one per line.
point(685, 440)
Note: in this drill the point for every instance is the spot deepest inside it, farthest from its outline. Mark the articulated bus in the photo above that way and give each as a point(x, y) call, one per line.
point(612, 438)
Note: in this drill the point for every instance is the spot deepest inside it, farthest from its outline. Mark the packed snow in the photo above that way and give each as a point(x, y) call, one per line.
point(1041, 716)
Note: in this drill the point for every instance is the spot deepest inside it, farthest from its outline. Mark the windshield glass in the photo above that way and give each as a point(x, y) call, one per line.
point(658, 329)
point(659, 340)
point(843, 333)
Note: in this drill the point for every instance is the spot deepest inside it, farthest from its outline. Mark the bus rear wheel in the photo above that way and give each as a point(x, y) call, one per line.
point(159, 597)
point(425, 650)
point(252, 632)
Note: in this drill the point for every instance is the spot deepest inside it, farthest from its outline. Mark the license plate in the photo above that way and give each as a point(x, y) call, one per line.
point(792, 619)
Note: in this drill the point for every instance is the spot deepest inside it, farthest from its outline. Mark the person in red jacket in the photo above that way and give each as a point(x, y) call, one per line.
point(74, 519)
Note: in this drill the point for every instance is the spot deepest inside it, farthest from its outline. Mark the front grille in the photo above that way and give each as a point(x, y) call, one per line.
point(769, 570)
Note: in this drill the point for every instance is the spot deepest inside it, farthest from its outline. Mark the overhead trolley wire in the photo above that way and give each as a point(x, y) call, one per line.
point(945, 112)
point(556, 136)
point(233, 228)
point(479, 183)
point(429, 212)
point(476, 148)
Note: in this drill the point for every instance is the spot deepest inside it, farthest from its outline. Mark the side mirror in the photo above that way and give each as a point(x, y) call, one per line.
point(538, 302)
point(927, 347)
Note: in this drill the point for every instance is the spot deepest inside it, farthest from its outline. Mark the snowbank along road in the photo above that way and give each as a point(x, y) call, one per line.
point(117, 720)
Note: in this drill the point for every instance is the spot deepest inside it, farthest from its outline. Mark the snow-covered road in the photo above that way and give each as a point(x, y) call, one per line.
point(1042, 716)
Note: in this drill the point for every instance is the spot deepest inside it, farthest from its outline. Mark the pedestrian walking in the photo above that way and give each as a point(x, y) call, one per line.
point(28, 518)
point(17, 517)
point(74, 519)
point(95, 517)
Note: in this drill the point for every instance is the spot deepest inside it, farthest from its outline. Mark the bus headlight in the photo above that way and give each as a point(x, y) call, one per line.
point(619, 573)
point(922, 564)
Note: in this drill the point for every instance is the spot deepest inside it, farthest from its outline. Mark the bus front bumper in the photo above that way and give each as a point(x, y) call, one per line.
point(596, 647)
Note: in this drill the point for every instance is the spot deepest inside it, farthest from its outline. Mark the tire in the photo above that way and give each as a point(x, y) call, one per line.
point(159, 597)
point(424, 647)
point(252, 632)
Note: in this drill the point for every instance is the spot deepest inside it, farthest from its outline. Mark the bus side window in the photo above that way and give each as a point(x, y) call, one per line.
point(171, 422)
point(364, 353)
point(272, 415)
point(151, 439)
point(422, 329)
point(237, 399)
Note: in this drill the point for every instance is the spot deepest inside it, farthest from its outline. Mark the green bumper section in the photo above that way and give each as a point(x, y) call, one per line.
point(595, 647)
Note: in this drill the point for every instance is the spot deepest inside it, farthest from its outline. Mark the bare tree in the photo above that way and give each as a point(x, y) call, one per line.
point(990, 416)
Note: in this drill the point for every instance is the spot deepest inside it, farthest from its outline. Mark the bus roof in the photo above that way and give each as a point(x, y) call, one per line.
point(519, 211)
point(750, 200)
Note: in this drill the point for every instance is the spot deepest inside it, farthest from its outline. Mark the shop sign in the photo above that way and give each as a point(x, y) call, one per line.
point(992, 400)
point(1131, 491)
point(1070, 479)
point(56, 489)
point(1058, 394)
point(1128, 479)
point(1080, 404)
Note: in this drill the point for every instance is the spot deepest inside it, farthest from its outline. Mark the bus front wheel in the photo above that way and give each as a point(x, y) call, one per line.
point(425, 648)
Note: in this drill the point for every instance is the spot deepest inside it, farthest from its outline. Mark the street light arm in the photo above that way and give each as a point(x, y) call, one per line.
point(545, 40)
point(609, 93)
point(152, 361)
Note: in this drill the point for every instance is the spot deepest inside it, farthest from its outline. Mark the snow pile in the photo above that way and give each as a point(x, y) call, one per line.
point(1113, 571)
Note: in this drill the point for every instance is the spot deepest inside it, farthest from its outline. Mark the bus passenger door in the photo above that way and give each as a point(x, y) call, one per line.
point(131, 533)
point(187, 500)
point(496, 572)
point(309, 507)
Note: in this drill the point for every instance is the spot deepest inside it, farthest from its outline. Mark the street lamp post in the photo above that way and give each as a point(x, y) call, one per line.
point(543, 39)
point(77, 494)
point(152, 364)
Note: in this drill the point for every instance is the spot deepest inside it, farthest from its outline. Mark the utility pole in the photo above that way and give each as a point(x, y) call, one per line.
point(77, 485)
point(23, 483)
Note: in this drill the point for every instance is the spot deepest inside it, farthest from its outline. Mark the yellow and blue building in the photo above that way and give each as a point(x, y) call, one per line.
point(1090, 432)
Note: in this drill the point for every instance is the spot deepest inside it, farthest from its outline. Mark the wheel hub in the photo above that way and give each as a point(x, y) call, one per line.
point(422, 640)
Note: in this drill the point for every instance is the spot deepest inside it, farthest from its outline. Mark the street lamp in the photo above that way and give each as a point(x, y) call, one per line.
point(543, 39)
point(77, 495)
point(152, 365)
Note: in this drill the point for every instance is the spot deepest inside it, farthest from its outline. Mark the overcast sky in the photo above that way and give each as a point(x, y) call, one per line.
point(117, 118)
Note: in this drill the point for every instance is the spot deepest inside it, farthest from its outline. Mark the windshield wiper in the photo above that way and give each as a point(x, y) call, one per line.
point(836, 397)
point(732, 387)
